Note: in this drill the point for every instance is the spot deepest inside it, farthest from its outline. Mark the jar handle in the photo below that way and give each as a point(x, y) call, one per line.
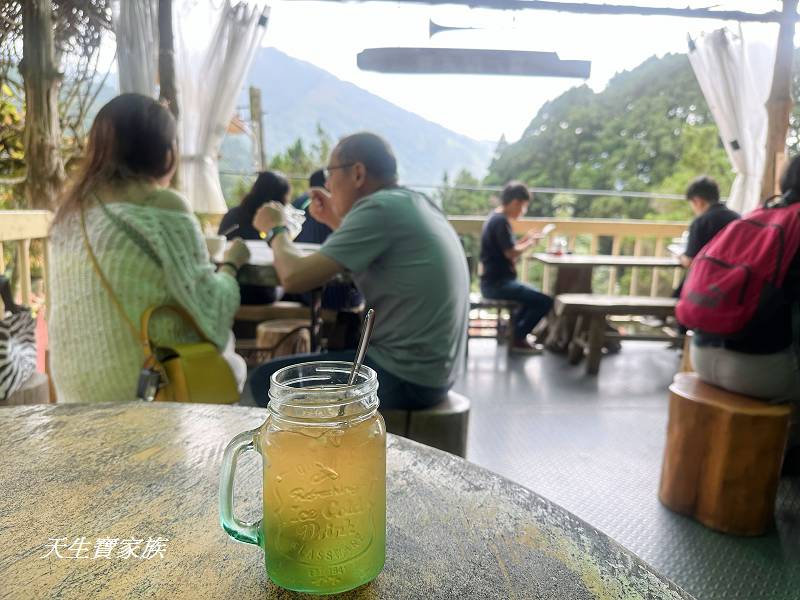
point(239, 530)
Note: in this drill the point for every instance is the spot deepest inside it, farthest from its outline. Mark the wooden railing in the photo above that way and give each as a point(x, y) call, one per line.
point(649, 238)
point(20, 227)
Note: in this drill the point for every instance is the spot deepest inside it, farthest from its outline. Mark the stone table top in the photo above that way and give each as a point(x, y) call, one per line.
point(134, 471)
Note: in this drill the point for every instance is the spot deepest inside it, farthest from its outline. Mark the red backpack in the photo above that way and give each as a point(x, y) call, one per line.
point(740, 273)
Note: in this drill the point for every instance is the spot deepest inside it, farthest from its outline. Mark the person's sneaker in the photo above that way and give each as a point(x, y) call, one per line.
point(523, 346)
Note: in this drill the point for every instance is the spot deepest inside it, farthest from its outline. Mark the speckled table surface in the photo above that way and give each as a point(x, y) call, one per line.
point(80, 485)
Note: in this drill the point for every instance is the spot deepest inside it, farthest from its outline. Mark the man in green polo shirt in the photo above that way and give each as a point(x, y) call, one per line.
point(404, 257)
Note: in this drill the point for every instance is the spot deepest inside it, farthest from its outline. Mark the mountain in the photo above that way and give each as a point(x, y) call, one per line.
point(296, 96)
point(649, 130)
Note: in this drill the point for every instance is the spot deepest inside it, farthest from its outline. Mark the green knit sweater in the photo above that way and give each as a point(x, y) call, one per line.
point(93, 354)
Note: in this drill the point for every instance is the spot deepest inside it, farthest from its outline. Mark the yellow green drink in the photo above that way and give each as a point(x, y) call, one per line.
point(325, 506)
point(323, 450)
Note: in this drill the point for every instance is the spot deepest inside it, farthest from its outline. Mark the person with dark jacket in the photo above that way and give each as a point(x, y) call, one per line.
point(270, 186)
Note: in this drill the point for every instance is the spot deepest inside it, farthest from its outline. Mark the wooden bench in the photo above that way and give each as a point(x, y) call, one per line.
point(444, 426)
point(591, 311)
point(492, 328)
point(723, 456)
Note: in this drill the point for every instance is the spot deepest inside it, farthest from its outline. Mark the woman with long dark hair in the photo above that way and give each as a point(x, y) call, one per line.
point(149, 248)
point(270, 186)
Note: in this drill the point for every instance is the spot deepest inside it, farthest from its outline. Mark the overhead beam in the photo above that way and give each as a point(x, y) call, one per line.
point(607, 9)
point(471, 62)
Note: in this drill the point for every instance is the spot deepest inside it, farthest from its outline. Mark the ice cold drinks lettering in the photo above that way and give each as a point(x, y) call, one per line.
point(325, 503)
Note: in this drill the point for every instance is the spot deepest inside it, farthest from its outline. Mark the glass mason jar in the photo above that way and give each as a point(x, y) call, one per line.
point(323, 449)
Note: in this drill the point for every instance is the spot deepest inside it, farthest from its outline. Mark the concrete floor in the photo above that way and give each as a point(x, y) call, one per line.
point(594, 446)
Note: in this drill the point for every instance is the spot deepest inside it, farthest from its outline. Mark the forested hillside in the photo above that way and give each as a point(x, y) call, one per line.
point(649, 130)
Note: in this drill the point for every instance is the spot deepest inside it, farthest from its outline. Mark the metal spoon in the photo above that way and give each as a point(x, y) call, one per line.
point(366, 332)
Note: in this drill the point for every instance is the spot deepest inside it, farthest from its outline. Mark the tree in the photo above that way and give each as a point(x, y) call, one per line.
point(458, 199)
point(300, 160)
point(59, 43)
point(629, 137)
point(42, 127)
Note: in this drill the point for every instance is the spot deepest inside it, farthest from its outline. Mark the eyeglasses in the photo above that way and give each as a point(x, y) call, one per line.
point(327, 170)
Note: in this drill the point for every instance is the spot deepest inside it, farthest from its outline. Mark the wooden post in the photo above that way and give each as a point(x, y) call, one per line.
point(637, 251)
point(24, 265)
point(257, 120)
point(616, 245)
point(780, 103)
point(42, 129)
point(656, 272)
point(168, 87)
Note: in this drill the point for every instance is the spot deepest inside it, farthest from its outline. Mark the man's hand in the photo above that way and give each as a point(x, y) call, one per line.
point(268, 216)
point(321, 208)
point(532, 236)
point(237, 253)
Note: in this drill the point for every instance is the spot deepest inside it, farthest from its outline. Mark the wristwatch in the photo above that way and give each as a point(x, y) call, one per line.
point(275, 231)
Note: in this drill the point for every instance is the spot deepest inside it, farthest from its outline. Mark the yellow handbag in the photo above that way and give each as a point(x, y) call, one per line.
point(188, 372)
point(193, 372)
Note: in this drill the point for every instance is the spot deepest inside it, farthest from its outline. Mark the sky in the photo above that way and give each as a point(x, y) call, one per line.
point(331, 34)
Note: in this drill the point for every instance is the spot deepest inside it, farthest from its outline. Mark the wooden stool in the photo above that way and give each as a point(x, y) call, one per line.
point(723, 456)
point(480, 328)
point(249, 316)
point(278, 337)
point(443, 426)
point(36, 390)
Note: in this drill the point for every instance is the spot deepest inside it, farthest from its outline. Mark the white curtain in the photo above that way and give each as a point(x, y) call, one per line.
point(211, 65)
point(136, 29)
point(735, 76)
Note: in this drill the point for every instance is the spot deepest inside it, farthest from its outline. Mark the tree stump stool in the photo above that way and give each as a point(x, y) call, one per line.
point(443, 426)
point(723, 456)
point(247, 318)
point(278, 337)
point(36, 390)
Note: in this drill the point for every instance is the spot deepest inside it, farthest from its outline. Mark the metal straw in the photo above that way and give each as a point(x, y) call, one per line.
point(366, 332)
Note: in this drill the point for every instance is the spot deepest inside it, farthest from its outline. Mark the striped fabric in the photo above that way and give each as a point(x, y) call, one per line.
point(17, 351)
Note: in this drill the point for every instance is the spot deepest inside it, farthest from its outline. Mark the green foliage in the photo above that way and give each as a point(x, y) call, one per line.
point(12, 150)
point(297, 163)
point(649, 130)
point(300, 161)
point(463, 201)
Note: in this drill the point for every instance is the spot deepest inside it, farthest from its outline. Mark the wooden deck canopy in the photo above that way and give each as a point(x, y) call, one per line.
point(780, 102)
point(610, 9)
point(471, 61)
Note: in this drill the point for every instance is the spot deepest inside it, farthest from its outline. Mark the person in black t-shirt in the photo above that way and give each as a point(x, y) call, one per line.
point(711, 216)
point(499, 252)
